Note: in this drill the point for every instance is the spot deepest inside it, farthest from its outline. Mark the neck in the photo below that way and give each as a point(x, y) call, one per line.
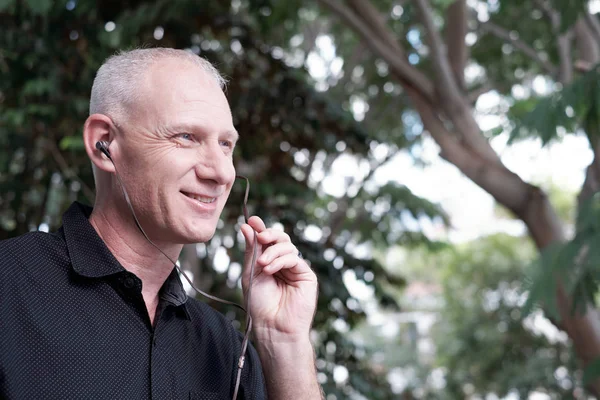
point(128, 245)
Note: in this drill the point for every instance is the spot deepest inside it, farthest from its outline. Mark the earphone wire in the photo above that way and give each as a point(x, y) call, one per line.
point(248, 329)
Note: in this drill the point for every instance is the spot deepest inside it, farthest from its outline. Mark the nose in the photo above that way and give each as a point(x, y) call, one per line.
point(215, 165)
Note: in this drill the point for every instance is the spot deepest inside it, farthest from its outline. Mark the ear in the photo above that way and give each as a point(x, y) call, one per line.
point(96, 128)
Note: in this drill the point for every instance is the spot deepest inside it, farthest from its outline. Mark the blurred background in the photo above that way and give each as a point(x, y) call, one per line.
point(434, 160)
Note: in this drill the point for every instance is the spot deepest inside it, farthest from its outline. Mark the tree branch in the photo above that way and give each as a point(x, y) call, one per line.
point(456, 30)
point(564, 55)
point(587, 47)
point(506, 187)
point(453, 102)
point(447, 86)
point(520, 45)
point(407, 74)
point(374, 19)
point(563, 43)
point(593, 24)
point(531, 205)
point(591, 184)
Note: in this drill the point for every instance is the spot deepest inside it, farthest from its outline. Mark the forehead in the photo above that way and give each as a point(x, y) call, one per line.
point(175, 92)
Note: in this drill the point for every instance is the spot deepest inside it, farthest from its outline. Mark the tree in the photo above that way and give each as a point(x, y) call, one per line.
point(290, 137)
point(406, 58)
point(484, 341)
point(478, 343)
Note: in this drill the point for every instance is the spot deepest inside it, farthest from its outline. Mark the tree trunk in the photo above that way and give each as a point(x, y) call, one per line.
point(530, 204)
point(445, 110)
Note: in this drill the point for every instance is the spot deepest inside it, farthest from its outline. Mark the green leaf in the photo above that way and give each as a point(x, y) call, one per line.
point(569, 11)
point(71, 143)
point(111, 39)
point(39, 86)
point(591, 372)
point(541, 117)
point(39, 6)
point(4, 4)
point(42, 110)
point(13, 117)
point(541, 282)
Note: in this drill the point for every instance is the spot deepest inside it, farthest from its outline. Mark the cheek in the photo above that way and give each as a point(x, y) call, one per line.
point(148, 191)
point(155, 184)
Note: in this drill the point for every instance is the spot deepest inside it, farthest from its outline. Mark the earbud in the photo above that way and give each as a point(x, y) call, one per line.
point(103, 147)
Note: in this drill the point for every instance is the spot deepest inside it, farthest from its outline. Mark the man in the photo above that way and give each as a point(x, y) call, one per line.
point(95, 311)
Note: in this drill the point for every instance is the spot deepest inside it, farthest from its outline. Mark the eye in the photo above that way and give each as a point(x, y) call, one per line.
point(185, 136)
point(226, 143)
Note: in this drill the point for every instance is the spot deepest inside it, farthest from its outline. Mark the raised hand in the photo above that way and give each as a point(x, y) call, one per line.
point(284, 288)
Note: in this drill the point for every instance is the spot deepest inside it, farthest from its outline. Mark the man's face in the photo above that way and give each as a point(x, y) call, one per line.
point(176, 153)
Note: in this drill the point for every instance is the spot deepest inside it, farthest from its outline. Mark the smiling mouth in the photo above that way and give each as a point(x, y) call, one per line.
point(201, 199)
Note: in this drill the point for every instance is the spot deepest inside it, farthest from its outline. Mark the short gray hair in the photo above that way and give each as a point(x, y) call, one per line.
point(117, 81)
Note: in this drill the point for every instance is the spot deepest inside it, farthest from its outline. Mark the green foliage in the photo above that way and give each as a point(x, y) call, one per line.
point(50, 52)
point(4, 4)
point(592, 371)
point(39, 7)
point(569, 11)
point(575, 262)
point(503, 65)
point(564, 202)
point(71, 143)
point(484, 342)
point(577, 105)
point(362, 78)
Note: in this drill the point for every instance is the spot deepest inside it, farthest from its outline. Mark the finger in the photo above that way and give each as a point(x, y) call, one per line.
point(277, 250)
point(249, 236)
point(272, 236)
point(287, 261)
point(248, 233)
point(256, 223)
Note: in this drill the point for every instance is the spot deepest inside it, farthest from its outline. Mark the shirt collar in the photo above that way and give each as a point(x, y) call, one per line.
point(172, 290)
point(89, 255)
point(173, 293)
point(91, 258)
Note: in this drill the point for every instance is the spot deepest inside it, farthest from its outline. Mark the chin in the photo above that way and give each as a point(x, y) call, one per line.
point(198, 237)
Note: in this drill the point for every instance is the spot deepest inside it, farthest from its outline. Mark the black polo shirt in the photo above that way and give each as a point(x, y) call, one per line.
point(73, 325)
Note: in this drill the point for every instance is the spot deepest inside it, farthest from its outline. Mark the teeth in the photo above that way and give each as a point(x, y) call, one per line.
point(202, 199)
